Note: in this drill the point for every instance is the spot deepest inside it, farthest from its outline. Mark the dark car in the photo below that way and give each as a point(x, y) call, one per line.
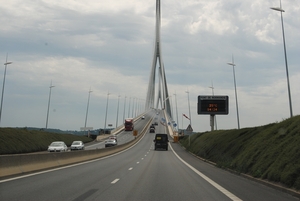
point(161, 141)
point(152, 129)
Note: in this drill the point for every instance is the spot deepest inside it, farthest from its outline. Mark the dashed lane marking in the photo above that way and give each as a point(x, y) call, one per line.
point(115, 181)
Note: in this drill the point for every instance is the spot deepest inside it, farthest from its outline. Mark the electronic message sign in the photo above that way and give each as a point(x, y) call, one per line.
point(212, 105)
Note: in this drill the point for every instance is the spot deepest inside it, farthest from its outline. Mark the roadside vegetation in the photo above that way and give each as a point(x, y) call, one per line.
point(270, 152)
point(22, 140)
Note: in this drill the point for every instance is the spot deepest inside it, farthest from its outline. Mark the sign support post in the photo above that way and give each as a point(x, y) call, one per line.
point(212, 122)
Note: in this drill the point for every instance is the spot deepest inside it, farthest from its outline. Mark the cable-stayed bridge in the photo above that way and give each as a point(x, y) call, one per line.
point(157, 94)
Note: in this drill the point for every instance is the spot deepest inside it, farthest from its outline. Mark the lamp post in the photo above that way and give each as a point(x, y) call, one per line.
point(136, 111)
point(106, 111)
point(129, 107)
point(176, 111)
point(188, 93)
point(236, 99)
point(124, 108)
point(133, 106)
point(118, 111)
point(5, 64)
point(87, 108)
point(285, 57)
point(51, 86)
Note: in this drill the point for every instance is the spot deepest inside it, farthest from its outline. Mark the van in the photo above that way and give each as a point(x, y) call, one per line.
point(161, 141)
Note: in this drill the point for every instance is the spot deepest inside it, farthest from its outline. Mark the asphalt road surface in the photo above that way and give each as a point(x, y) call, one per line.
point(139, 173)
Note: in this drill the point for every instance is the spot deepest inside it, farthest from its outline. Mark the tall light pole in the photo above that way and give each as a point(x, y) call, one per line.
point(5, 64)
point(188, 93)
point(118, 111)
point(285, 57)
point(87, 108)
point(176, 111)
point(136, 111)
point(106, 111)
point(124, 108)
point(236, 99)
point(51, 86)
point(129, 107)
point(133, 106)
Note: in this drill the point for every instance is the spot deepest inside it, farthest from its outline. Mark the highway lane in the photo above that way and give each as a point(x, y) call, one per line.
point(124, 136)
point(139, 173)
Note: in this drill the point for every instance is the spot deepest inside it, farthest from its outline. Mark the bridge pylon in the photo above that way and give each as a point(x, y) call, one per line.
point(162, 98)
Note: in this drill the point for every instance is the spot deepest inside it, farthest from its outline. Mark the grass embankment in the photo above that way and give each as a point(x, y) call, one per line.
point(21, 140)
point(270, 152)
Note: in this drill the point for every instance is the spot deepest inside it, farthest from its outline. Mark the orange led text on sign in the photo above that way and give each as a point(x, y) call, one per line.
point(212, 107)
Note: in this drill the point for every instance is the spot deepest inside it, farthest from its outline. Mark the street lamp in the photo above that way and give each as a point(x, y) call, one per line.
point(51, 86)
point(176, 111)
point(136, 111)
point(285, 57)
point(133, 105)
point(188, 93)
point(129, 107)
point(118, 111)
point(236, 99)
point(5, 64)
point(124, 108)
point(106, 111)
point(87, 108)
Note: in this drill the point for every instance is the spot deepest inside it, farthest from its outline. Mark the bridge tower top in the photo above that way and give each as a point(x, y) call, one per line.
point(163, 95)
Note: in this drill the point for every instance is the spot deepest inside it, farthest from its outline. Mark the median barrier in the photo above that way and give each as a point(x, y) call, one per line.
point(17, 164)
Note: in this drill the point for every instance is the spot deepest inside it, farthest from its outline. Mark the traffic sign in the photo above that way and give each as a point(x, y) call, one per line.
point(212, 105)
point(189, 128)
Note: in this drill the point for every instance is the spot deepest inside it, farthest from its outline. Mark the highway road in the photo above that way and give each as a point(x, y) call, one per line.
point(123, 136)
point(139, 173)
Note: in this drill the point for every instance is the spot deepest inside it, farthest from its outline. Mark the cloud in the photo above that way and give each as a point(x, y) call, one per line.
point(108, 47)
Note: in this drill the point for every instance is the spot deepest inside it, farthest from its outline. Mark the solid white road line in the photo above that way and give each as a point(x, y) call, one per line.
point(217, 186)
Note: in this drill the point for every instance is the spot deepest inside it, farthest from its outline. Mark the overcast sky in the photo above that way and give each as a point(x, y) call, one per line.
point(107, 46)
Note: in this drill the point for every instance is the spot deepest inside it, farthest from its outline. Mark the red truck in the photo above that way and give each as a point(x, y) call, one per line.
point(129, 124)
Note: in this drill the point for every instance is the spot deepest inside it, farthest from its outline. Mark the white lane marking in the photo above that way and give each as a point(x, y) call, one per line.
point(217, 186)
point(115, 181)
point(142, 158)
point(130, 168)
point(137, 162)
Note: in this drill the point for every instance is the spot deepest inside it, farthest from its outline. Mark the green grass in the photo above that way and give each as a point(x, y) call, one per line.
point(270, 152)
point(21, 140)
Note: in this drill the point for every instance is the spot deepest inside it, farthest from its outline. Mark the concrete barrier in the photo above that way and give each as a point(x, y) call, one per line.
point(17, 164)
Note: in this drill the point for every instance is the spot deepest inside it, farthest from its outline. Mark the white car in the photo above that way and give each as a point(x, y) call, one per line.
point(110, 143)
point(113, 137)
point(77, 145)
point(143, 117)
point(57, 146)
